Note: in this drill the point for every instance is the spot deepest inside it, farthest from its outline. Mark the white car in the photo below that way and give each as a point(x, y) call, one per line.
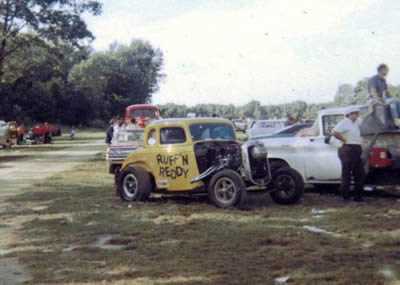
point(314, 154)
point(264, 127)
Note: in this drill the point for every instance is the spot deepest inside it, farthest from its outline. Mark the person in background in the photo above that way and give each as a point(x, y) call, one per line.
point(110, 131)
point(348, 132)
point(47, 135)
point(132, 124)
point(118, 126)
point(290, 120)
point(72, 133)
point(379, 96)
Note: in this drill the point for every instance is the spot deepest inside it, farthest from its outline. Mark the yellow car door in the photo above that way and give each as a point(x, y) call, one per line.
point(175, 160)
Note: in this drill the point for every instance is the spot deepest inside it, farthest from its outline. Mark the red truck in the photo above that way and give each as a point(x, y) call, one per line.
point(142, 113)
point(44, 132)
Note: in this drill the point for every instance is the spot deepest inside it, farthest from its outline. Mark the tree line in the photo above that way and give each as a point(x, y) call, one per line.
point(346, 94)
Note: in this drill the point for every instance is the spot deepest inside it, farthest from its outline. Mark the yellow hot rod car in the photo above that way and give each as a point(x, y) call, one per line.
point(195, 155)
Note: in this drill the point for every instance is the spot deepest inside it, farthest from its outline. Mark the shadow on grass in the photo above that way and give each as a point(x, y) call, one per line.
point(11, 158)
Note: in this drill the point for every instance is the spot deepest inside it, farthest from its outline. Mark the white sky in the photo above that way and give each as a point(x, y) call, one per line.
point(274, 51)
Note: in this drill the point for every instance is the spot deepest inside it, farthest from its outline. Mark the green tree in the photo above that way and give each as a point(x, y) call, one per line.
point(344, 95)
point(54, 21)
point(35, 83)
point(119, 77)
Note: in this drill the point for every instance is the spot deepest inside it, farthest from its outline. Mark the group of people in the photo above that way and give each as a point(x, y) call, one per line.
point(349, 133)
point(117, 124)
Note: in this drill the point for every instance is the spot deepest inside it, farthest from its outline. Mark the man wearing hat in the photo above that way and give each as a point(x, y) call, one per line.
point(348, 132)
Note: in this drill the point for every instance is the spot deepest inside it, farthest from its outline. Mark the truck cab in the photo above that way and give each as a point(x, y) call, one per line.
point(143, 114)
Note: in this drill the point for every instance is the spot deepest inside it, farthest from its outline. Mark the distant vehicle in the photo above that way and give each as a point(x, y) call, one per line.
point(127, 141)
point(286, 132)
point(55, 130)
point(4, 135)
point(142, 113)
point(41, 133)
point(13, 132)
point(191, 115)
point(265, 127)
point(240, 125)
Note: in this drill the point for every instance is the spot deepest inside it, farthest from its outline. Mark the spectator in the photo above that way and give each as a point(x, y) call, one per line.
point(110, 131)
point(380, 98)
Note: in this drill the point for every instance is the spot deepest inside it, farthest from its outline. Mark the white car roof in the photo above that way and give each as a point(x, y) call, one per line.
point(272, 121)
point(340, 110)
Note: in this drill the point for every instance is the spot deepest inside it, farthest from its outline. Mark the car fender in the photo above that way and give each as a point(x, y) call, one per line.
point(286, 150)
point(137, 158)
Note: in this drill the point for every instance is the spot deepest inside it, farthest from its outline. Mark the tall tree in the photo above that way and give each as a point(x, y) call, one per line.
point(51, 20)
point(120, 76)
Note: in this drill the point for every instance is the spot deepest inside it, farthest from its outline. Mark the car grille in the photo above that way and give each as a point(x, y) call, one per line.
point(119, 153)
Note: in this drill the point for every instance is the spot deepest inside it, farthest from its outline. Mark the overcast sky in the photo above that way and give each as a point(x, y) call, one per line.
point(274, 51)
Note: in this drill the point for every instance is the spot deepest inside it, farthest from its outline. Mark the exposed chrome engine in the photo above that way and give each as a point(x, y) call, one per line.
point(250, 160)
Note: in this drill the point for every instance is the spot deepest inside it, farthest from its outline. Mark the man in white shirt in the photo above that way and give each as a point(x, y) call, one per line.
point(348, 132)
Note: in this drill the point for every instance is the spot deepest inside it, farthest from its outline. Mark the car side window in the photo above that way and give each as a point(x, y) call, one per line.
point(173, 135)
point(329, 122)
point(152, 137)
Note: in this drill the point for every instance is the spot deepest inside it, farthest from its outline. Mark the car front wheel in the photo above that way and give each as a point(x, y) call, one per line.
point(134, 184)
point(288, 186)
point(226, 189)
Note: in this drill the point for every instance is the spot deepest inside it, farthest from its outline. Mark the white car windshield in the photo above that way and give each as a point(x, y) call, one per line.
point(147, 113)
point(128, 136)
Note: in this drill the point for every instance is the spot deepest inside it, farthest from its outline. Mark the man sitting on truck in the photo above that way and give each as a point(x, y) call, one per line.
point(383, 105)
point(348, 132)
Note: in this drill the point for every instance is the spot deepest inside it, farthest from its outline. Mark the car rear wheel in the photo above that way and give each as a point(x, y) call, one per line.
point(134, 184)
point(288, 186)
point(226, 189)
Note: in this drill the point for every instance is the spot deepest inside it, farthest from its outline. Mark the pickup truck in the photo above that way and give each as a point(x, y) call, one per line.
point(126, 141)
point(312, 152)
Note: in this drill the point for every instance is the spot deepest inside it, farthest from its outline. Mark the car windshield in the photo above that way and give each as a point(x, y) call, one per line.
point(127, 136)
point(212, 131)
point(268, 125)
point(146, 113)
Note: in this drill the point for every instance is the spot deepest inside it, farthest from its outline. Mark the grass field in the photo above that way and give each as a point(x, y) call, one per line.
point(76, 231)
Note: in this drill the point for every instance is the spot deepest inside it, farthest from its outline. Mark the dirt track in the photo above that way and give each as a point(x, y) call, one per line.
point(21, 168)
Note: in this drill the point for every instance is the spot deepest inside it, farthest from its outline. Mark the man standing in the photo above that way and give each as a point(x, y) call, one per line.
point(348, 132)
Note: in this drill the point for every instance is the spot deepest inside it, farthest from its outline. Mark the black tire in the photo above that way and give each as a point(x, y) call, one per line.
point(134, 184)
point(226, 189)
point(288, 186)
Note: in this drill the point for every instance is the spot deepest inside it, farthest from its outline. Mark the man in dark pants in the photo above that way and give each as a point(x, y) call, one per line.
point(348, 132)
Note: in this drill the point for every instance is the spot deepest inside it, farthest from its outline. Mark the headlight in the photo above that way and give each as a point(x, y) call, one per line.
point(259, 151)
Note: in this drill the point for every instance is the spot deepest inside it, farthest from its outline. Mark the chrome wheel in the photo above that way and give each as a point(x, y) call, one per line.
point(130, 185)
point(225, 190)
